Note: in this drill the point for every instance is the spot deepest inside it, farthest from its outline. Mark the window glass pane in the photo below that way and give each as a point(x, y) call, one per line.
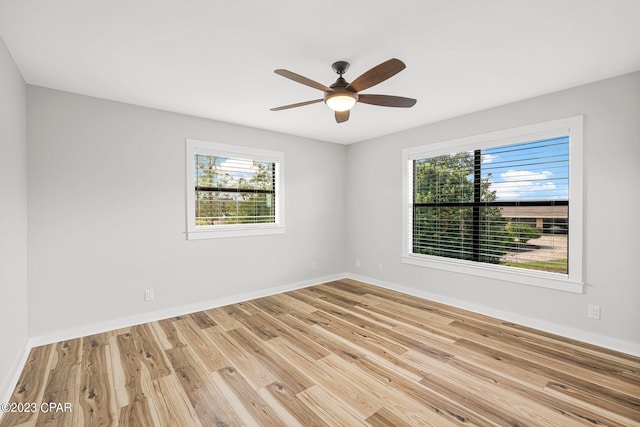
point(233, 191)
point(539, 237)
point(512, 211)
point(494, 239)
point(443, 231)
point(444, 179)
point(536, 170)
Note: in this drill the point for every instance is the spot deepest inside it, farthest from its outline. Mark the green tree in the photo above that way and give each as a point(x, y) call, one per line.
point(258, 206)
point(207, 206)
point(448, 230)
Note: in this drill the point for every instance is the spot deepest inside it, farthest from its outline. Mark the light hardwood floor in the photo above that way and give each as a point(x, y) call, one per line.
point(342, 353)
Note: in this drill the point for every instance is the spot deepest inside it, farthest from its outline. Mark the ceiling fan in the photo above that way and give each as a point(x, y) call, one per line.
point(341, 96)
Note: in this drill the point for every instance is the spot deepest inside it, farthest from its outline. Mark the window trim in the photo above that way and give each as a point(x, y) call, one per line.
point(573, 127)
point(193, 147)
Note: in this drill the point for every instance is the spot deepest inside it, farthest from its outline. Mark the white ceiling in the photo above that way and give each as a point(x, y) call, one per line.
point(215, 59)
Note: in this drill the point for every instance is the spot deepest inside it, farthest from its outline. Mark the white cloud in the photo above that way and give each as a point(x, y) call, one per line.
point(235, 169)
point(520, 184)
point(242, 165)
point(488, 158)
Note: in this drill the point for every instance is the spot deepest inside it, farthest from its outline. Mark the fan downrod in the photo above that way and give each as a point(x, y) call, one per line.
point(340, 67)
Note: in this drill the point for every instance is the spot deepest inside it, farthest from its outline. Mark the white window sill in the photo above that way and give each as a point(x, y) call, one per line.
point(233, 231)
point(541, 279)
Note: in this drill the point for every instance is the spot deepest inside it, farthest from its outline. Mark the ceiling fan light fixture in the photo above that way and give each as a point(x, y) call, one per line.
point(341, 101)
point(341, 96)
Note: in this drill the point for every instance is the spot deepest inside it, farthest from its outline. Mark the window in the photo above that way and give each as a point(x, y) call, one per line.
point(233, 191)
point(506, 205)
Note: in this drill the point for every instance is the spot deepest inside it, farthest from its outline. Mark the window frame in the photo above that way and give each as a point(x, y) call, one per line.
point(572, 127)
point(195, 232)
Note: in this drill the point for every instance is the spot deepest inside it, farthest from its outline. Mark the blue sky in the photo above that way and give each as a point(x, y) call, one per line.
point(529, 171)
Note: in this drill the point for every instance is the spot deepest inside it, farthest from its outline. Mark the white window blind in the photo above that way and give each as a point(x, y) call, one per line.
point(233, 190)
point(506, 205)
point(230, 190)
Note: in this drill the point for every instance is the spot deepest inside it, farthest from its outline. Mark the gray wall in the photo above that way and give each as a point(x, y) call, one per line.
point(611, 110)
point(13, 217)
point(107, 214)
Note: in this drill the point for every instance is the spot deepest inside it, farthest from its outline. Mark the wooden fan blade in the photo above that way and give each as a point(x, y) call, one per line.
point(342, 116)
point(302, 79)
point(377, 74)
point(387, 100)
point(299, 104)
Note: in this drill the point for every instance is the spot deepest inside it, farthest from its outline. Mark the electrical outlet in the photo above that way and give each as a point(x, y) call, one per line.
point(380, 267)
point(593, 311)
point(314, 265)
point(148, 294)
point(357, 263)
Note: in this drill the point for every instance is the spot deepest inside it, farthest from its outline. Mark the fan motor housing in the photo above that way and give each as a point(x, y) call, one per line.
point(340, 91)
point(340, 87)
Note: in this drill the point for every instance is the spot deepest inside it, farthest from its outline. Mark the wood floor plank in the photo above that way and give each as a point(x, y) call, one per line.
point(336, 308)
point(207, 353)
point(606, 396)
point(386, 418)
point(294, 406)
point(487, 399)
point(117, 372)
point(606, 388)
point(202, 319)
point(31, 385)
point(434, 406)
point(223, 319)
point(172, 403)
point(253, 371)
point(150, 352)
point(97, 388)
point(253, 403)
point(62, 385)
point(136, 414)
point(405, 417)
point(170, 334)
point(343, 353)
point(286, 300)
point(558, 341)
point(205, 397)
point(229, 316)
point(361, 336)
point(289, 375)
point(516, 386)
point(382, 356)
point(330, 408)
point(131, 366)
point(262, 327)
point(590, 407)
point(333, 346)
point(280, 329)
point(582, 367)
point(275, 307)
point(360, 398)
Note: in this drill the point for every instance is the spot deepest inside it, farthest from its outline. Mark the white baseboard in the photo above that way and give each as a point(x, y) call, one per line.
point(10, 381)
point(553, 328)
point(110, 325)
